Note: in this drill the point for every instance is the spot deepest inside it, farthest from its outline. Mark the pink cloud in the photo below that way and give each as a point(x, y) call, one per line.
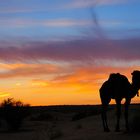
point(17, 22)
point(77, 50)
point(92, 3)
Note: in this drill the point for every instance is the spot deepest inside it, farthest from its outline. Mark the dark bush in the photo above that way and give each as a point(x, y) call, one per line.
point(43, 117)
point(79, 116)
point(84, 114)
point(13, 112)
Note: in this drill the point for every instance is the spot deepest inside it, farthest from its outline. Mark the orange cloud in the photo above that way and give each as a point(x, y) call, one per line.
point(22, 70)
point(81, 80)
point(39, 83)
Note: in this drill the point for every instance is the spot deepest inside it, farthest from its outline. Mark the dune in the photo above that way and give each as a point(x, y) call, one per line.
point(61, 127)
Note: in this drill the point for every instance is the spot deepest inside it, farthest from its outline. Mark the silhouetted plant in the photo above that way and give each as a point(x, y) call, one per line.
point(43, 117)
point(84, 114)
point(79, 116)
point(13, 112)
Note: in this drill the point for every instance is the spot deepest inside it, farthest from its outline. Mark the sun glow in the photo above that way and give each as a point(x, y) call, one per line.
point(60, 84)
point(4, 94)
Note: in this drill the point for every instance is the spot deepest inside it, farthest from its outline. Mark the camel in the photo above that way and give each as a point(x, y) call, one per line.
point(118, 87)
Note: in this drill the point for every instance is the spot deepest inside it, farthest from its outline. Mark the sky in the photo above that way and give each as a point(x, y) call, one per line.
point(58, 52)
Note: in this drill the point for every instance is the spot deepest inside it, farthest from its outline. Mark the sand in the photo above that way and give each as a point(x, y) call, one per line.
point(63, 128)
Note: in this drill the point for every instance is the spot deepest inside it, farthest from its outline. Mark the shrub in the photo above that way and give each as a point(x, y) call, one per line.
point(13, 112)
point(83, 114)
point(43, 117)
point(79, 116)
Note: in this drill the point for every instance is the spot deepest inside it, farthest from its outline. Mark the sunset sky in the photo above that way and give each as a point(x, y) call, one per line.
point(56, 52)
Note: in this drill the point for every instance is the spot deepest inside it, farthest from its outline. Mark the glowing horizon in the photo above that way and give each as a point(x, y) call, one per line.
point(61, 87)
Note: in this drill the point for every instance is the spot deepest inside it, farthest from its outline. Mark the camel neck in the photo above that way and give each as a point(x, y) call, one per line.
point(135, 90)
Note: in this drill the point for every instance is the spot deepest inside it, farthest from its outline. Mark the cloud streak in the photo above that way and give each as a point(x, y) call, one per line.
point(77, 50)
point(15, 22)
point(24, 7)
point(92, 3)
point(4, 94)
point(60, 23)
point(28, 70)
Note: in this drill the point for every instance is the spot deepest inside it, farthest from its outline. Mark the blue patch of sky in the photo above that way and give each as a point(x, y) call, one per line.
point(38, 32)
point(72, 14)
point(119, 12)
point(127, 14)
point(126, 17)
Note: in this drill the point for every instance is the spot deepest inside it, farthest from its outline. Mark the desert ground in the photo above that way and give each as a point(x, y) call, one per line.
point(73, 123)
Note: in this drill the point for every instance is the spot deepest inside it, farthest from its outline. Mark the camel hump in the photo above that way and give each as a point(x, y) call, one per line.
point(118, 78)
point(114, 76)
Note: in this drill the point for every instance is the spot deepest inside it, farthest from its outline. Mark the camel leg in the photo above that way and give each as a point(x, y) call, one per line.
point(126, 113)
point(118, 102)
point(105, 100)
point(104, 118)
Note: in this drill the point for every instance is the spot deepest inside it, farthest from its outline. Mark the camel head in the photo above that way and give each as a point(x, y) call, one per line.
point(136, 79)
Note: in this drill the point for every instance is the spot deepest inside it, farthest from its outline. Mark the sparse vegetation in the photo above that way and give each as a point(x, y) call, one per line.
point(13, 112)
point(53, 132)
point(84, 114)
point(43, 117)
point(63, 128)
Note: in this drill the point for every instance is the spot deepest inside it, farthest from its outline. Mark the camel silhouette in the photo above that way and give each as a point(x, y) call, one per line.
point(118, 87)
